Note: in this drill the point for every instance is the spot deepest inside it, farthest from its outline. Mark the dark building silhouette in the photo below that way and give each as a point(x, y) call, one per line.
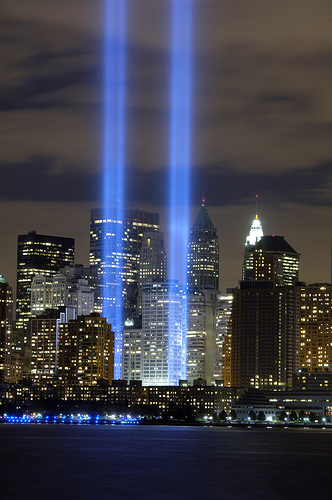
point(265, 311)
point(271, 258)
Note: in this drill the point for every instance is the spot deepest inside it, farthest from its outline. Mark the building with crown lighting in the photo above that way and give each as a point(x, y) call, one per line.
point(255, 234)
point(265, 311)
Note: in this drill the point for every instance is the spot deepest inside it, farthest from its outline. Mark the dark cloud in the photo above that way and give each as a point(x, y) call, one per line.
point(44, 178)
point(261, 112)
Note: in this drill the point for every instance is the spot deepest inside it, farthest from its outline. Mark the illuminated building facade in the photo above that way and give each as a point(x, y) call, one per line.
point(152, 261)
point(38, 254)
point(162, 321)
point(255, 234)
point(44, 332)
point(201, 333)
point(203, 253)
point(222, 371)
point(316, 328)
point(196, 335)
point(132, 354)
point(72, 292)
point(272, 259)
point(41, 294)
point(135, 223)
point(6, 303)
point(61, 291)
point(86, 350)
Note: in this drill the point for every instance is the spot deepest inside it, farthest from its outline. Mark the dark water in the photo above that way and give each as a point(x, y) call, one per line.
point(114, 462)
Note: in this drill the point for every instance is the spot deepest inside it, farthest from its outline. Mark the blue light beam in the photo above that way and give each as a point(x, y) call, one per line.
point(114, 167)
point(180, 160)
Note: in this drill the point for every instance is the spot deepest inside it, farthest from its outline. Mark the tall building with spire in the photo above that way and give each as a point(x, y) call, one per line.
point(202, 291)
point(203, 253)
point(255, 234)
point(264, 321)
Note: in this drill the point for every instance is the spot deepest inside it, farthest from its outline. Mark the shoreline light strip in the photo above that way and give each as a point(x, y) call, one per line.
point(180, 159)
point(114, 166)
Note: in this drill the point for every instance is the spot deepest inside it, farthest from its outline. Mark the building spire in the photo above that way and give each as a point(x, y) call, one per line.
point(256, 229)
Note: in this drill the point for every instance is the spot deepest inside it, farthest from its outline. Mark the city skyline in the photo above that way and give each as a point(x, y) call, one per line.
point(261, 122)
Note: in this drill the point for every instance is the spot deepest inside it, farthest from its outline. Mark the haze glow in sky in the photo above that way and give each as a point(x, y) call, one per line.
point(261, 121)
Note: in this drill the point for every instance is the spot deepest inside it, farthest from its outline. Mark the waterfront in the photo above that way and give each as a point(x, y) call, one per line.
point(149, 462)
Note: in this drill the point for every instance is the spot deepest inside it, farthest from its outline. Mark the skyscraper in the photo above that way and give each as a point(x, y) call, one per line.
point(162, 330)
point(223, 335)
point(38, 254)
point(5, 326)
point(264, 335)
point(265, 318)
point(272, 258)
point(126, 261)
point(44, 346)
point(203, 253)
point(255, 234)
point(114, 253)
point(152, 261)
point(315, 347)
point(86, 350)
point(196, 335)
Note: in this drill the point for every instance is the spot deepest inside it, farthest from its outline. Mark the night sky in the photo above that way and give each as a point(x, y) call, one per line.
point(262, 121)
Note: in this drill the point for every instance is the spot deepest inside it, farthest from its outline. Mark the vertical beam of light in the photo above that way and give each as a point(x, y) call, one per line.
point(114, 166)
point(180, 159)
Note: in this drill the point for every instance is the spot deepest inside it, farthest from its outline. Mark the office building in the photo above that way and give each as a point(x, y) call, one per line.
point(203, 253)
point(264, 335)
point(271, 259)
point(6, 303)
point(132, 353)
point(196, 335)
point(38, 254)
point(222, 366)
point(315, 348)
point(264, 319)
point(162, 334)
point(152, 261)
point(86, 351)
point(255, 234)
point(125, 261)
point(44, 335)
